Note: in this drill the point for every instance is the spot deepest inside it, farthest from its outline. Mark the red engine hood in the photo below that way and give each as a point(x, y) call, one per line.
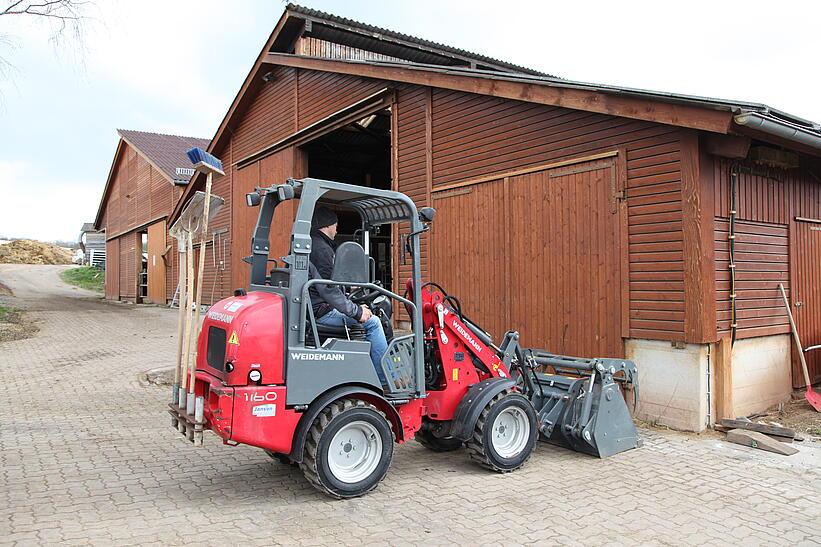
point(245, 332)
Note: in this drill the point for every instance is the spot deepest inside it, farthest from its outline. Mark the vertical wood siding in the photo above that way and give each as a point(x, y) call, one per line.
point(771, 199)
point(157, 234)
point(322, 48)
point(130, 246)
point(112, 269)
point(467, 241)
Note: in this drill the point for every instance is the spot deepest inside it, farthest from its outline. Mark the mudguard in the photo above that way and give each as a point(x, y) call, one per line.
point(474, 401)
point(308, 417)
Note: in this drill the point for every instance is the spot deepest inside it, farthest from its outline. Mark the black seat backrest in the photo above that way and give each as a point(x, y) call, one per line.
point(280, 277)
point(351, 263)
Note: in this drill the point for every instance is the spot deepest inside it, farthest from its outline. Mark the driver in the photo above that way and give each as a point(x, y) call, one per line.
point(330, 304)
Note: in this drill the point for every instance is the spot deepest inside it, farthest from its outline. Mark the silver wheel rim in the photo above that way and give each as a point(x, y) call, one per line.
point(354, 452)
point(511, 431)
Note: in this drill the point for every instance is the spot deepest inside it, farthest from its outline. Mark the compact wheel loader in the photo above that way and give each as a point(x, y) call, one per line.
point(267, 375)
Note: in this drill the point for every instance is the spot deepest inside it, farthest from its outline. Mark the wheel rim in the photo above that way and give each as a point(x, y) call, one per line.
point(354, 452)
point(511, 431)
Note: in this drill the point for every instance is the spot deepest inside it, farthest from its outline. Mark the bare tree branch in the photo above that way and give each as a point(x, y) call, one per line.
point(63, 16)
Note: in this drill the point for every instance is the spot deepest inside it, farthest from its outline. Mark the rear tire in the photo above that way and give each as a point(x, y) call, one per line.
point(348, 449)
point(505, 433)
point(437, 444)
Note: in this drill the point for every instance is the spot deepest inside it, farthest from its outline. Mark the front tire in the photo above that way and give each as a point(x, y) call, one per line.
point(505, 433)
point(348, 450)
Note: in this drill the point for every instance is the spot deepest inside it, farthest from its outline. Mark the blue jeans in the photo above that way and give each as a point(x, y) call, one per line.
point(373, 332)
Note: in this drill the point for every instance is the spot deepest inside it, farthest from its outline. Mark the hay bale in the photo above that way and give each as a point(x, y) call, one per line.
point(27, 251)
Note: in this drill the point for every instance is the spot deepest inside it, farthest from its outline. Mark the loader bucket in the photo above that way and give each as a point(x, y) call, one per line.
point(586, 411)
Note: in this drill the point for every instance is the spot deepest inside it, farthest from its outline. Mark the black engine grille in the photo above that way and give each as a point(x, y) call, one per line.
point(216, 348)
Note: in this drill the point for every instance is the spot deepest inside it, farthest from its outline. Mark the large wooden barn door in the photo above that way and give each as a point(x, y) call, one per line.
point(565, 251)
point(806, 295)
point(540, 253)
point(156, 264)
point(468, 249)
point(112, 269)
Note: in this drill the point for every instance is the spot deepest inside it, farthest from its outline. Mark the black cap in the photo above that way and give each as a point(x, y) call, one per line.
point(323, 217)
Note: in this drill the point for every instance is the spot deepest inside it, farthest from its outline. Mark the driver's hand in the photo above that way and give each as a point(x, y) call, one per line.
point(366, 313)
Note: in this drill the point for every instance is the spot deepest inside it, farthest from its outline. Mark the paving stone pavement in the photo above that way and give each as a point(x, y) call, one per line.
point(88, 456)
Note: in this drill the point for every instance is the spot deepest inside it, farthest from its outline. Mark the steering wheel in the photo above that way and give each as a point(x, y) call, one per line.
point(360, 296)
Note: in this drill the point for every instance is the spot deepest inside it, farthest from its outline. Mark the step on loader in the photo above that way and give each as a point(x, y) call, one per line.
point(268, 375)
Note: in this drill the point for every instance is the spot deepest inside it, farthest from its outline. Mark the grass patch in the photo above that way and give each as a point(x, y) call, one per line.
point(85, 277)
point(13, 325)
point(7, 314)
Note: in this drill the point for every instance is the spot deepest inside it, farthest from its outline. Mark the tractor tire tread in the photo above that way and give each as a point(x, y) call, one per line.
point(476, 445)
point(321, 422)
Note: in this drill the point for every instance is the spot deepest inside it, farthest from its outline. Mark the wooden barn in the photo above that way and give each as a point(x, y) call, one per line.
point(147, 177)
point(594, 219)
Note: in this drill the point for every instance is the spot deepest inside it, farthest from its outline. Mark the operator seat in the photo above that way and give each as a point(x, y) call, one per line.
point(351, 265)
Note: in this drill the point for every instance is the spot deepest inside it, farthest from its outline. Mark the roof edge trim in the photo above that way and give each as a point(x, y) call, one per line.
point(777, 127)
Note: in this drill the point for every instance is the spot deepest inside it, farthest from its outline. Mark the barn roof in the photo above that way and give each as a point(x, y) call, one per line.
point(166, 152)
point(428, 63)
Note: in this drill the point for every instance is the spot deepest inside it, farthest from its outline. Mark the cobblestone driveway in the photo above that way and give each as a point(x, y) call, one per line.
point(88, 456)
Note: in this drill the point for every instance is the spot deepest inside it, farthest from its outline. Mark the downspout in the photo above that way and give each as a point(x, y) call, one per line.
point(731, 239)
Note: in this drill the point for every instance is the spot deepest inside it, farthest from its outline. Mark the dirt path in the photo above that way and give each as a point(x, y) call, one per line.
point(87, 455)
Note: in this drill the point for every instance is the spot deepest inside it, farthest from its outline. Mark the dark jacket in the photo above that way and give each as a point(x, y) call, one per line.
point(324, 298)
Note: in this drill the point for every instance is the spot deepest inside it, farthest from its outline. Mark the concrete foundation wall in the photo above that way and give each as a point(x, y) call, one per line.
point(761, 373)
point(672, 383)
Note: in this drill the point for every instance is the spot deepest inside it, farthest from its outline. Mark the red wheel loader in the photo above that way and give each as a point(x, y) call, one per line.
point(267, 375)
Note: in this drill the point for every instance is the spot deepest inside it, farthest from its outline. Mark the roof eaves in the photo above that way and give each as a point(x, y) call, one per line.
point(729, 105)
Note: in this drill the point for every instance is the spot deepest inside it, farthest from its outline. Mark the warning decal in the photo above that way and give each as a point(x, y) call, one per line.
point(234, 339)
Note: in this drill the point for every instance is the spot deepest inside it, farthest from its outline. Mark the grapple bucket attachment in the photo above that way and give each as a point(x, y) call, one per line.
point(581, 406)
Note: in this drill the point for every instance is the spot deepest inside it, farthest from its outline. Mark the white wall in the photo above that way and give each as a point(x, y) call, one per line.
point(672, 383)
point(761, 373)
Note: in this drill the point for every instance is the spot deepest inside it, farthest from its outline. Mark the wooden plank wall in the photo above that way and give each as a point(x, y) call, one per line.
point(271, 116)
point(138, 194)
point(768, 202)
point(320, 94)
point(462, 266)
point(112, 269)
point(762, 262)
point(129, 245)
point(412, 172)
point(476, 136)
point(315, 47)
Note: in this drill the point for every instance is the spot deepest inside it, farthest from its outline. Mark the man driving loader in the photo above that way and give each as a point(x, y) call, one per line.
point(330, 304)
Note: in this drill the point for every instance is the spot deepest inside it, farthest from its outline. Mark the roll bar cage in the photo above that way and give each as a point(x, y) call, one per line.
point(374, 206)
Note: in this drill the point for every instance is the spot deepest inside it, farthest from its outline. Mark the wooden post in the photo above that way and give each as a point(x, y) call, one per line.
point(723, 374)
point(201, 266)
point(183, 296)
point(796, 338)
point(189, 266)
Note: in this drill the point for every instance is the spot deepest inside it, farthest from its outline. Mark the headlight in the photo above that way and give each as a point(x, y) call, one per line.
point(255, 376)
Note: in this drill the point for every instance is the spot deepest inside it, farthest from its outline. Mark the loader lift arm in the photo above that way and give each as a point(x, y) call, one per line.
point(579, 405)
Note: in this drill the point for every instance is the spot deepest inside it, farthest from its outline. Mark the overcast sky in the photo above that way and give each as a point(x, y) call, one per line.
point(174, 67)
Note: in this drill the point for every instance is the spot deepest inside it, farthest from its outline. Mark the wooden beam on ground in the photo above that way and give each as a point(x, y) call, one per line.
point(723, 374)
point(758, 440)
point(761, 428)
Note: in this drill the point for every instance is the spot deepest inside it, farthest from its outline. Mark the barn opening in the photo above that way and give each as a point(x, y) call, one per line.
point(358, 153)
point(142, 276)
